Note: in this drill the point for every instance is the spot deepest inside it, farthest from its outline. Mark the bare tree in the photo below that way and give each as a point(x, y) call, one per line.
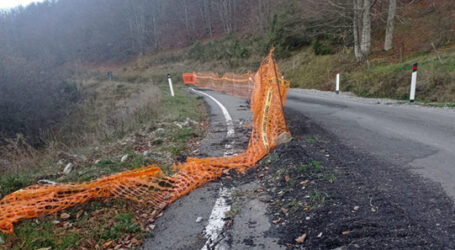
point(356, 26)
point(137, 26)
point(362, 28)
point(365, 45)
point(225, 9)
point(206, 13)
point(390, 25)
point(263, 14)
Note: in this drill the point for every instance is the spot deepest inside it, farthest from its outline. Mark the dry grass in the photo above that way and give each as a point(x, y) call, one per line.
point(125, 116)
point(108, 110)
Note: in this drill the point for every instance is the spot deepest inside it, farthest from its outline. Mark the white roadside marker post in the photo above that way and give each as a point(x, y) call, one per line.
point(170, 84)
point(337, 90)
point(413, 83)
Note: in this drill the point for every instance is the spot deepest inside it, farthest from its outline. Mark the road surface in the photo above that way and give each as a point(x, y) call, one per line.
point(413, 138)
point(419, 138)
point(180, 228)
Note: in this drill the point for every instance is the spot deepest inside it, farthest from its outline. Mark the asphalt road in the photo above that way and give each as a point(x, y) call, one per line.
point(418, 138)
point(179, 227)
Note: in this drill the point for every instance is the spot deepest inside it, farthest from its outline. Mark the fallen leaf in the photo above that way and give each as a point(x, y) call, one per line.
point(301, 239)
point(284, 210)
point(286, 178)
point(347, 232)
point(79, 214)
point(276, 221)
point(356, 208)
point(107, 244)
point(65, 216)
point(303, 183)
point(229, 223)
point(154, 213)
point(260, 175)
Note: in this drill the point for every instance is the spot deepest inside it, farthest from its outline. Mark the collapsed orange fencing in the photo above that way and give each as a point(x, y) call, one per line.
point(149, 185)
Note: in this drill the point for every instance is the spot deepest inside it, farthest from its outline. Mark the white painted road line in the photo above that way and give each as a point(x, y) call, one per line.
point(227, 116)
point(216, 220)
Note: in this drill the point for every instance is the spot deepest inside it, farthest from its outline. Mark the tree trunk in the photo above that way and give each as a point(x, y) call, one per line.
point(356, 26)
point(262, 15)
point(365, 46)
point(187, 20)
point(390, 25)
point(206, 13)
point(225, 11)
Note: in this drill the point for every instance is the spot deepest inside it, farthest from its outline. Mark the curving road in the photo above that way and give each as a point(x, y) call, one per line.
point(416, 138)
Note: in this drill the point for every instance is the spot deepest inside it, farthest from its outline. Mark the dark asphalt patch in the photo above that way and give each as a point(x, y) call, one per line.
point(343, 198)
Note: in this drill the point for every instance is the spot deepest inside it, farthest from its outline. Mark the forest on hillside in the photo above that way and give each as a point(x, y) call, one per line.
point(45, 45)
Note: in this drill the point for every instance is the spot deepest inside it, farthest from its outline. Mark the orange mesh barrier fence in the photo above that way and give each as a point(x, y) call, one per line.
point(233, 84)
point(149, 185)
point(188, 78)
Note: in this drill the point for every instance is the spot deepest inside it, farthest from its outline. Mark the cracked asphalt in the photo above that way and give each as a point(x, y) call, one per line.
point(398, 141)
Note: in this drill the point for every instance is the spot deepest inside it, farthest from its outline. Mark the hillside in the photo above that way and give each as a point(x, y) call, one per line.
point(47, 44)
point(423, 35)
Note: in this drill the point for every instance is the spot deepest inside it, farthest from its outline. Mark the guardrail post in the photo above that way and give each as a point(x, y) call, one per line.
point(170, 84)
point(337, 90)
point(413, 83)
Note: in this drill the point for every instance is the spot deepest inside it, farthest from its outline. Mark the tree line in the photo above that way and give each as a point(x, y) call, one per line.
point(42, 43)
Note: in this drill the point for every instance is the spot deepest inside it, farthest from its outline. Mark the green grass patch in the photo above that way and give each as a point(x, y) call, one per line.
point(124, 225)
point(317, 199)
point(381, 78)
point(316, 165)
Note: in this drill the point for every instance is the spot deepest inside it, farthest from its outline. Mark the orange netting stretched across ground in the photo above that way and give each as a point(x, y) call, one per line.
point(149, 185)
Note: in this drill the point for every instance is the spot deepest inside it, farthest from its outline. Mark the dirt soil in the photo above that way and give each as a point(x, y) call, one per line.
point(343, 199)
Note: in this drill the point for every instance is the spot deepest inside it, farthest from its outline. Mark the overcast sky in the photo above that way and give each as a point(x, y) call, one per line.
point(7, 4)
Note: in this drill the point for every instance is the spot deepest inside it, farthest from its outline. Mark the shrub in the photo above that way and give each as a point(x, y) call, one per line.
point(321, 48)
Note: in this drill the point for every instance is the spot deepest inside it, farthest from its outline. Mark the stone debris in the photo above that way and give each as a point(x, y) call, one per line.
point(301, 239)
point(46, 182)
point(68, 168)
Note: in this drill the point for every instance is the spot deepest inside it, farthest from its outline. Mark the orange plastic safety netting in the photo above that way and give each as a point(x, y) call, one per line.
point(233, 84)
point(149, 185)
